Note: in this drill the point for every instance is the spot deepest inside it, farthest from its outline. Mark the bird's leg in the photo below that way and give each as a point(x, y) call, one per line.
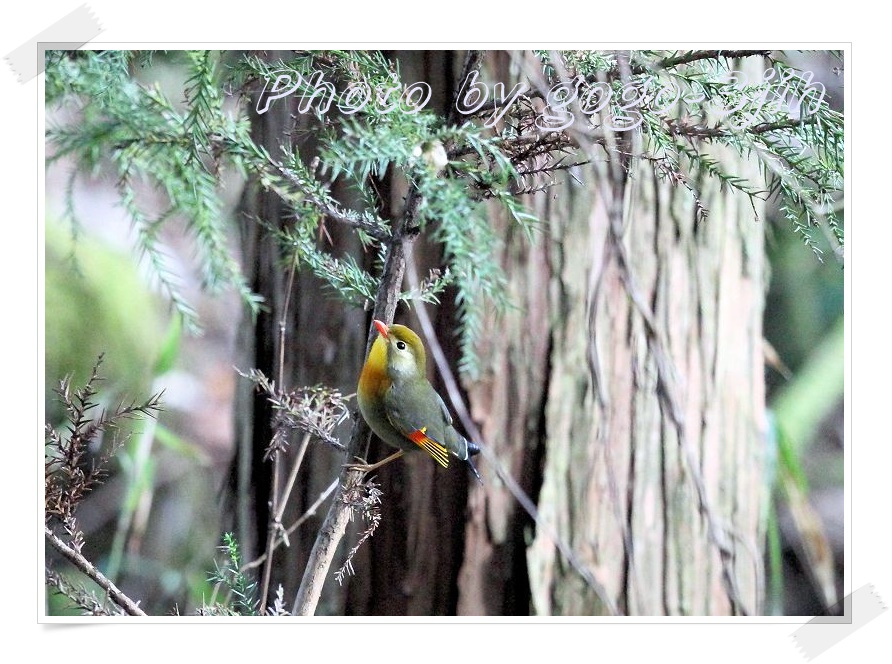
point(367, 468)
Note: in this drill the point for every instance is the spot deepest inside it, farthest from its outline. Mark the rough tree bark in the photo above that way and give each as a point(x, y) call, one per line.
point(574, 405)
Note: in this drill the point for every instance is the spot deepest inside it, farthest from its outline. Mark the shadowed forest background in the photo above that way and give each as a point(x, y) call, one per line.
point(644, 322)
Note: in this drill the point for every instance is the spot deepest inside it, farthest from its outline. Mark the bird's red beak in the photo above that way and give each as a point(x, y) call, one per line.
point(382, 328)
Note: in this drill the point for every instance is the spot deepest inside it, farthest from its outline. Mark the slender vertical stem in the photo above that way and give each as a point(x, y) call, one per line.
point(277, 503)
point(292, 477)
point(271, 535)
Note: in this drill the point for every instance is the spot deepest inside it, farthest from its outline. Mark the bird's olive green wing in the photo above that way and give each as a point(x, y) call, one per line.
point(447, 416)
point(415, 411)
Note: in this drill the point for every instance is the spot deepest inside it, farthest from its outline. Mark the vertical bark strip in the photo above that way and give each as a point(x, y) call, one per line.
point(258, 343)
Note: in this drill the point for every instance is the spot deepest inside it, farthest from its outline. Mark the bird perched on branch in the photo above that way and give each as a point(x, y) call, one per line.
point(401, 406)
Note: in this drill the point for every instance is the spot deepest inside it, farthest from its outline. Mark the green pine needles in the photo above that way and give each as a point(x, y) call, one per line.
point(189, 141)
point(235, 593)
point(147, 137)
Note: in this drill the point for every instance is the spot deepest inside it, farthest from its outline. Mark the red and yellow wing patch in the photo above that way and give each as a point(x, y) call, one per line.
point(431, 446)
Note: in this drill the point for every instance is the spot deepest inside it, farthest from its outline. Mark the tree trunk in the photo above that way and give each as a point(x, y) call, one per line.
point(578, 399)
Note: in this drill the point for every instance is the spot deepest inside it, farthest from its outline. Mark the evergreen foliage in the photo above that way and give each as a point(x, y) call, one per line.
point(678, 103)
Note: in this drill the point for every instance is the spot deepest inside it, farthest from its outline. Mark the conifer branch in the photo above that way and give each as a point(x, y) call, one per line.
point(694, 56)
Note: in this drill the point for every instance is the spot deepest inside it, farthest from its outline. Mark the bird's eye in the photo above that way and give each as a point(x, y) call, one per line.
point(401, 345)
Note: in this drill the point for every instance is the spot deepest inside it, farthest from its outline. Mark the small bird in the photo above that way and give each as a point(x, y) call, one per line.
point(401, 406)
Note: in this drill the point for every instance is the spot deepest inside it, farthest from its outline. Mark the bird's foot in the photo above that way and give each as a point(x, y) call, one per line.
point(365, 467)
point(362, 467)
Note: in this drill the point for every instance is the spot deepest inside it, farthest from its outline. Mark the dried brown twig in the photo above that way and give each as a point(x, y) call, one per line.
point(69, 476)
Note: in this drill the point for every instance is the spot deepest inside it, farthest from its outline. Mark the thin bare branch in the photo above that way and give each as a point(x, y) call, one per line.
point(85, 566)
point(311, 511)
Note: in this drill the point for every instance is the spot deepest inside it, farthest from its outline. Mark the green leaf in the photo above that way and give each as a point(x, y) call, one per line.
point(170, 348)
point(171, 441)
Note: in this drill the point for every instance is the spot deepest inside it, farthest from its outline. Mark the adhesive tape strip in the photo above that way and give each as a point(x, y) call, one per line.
point(69, 32)
point(822, 632)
